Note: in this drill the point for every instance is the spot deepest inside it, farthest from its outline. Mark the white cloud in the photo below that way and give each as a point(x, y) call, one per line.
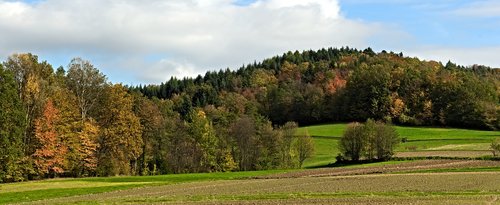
point(462, 56)
point(488, 8)
point(192, 35)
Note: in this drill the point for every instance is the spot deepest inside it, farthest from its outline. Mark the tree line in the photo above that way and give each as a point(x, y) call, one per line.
point(73, 122)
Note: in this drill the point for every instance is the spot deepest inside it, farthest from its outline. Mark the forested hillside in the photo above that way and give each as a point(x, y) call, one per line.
point(73, 122)
point(346, 84)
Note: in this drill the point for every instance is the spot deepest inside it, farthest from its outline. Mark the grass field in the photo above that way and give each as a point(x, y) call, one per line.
point(421, 141)
point(55, 188)
point(393, 182)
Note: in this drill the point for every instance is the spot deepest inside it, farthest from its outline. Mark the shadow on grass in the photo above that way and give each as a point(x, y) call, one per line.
point(347, 163)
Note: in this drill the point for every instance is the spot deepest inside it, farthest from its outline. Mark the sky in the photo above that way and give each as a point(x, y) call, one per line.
point(148, 41)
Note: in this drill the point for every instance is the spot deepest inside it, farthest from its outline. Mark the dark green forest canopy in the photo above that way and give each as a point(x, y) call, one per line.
point(347, 84)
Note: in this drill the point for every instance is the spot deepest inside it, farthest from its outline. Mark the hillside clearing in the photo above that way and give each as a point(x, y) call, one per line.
point(446, 142)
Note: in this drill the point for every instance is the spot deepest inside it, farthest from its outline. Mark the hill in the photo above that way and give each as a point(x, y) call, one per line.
point(332, 85)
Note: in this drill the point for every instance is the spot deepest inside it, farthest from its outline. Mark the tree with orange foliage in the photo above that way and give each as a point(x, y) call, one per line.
point(49, 155)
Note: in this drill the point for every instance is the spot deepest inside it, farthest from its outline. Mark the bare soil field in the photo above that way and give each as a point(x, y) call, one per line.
point(423, 188)
point(388, 168)
point(374, 200)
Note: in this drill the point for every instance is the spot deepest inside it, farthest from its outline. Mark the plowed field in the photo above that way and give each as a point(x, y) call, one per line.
point(348, 185)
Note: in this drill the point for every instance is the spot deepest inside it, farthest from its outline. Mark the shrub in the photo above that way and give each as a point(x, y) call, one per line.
point(352, 143)
point(372, 140)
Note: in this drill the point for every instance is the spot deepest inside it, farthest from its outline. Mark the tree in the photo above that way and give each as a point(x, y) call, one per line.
point(181, 151)
point(268, 152)
point(87, 83)
point(68, 127)
point(352, 142)
point(372, 140)
point(288, 132)
point(368, 93)
point(120, 140)
point(386, 140)
point(32, 80)
point(203, 133)
point(11, 129)
point(304, 146)
point(243, 131)
point(152, 123)
point(49, 156)
point(162, 144)
point(88, 148)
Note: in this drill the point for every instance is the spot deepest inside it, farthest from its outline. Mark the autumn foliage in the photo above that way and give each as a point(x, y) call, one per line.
point(50, 153)
point(73, 122)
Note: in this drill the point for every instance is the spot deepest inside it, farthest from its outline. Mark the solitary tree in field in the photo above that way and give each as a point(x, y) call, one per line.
point(372, 140)
point(305, 147)
point(386, 139)
point(352, 143)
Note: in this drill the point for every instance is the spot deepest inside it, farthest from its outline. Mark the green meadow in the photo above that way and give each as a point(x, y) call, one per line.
point(56, 188)
point(418, 139)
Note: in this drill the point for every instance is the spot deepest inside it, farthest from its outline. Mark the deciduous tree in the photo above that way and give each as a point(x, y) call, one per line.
point(87, 83)
point(32, 79)
point(50, 152)
point(121, 133)
point(304, 145)
point(11, 129)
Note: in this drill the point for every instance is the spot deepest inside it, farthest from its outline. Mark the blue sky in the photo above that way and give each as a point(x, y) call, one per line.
point(430, 22)
point(142, 42)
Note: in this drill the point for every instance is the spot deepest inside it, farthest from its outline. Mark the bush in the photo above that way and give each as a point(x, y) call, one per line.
point(372, 140)
point(352, 143)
